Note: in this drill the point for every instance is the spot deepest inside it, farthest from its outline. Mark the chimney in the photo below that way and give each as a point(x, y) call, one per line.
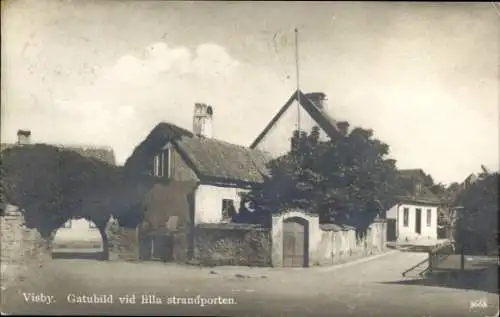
point(343, 127)
point(202, 120)
point(318, 99)
point(23, 137)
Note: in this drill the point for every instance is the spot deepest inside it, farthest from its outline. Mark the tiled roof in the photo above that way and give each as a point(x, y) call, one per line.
point(408, 190)
point(210, 158)
point(322, 118)
point(102, 153)
point(162, 133)
point(224, 161)
point(415, 173)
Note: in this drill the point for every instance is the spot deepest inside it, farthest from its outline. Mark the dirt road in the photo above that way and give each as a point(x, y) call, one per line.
point(372, 288)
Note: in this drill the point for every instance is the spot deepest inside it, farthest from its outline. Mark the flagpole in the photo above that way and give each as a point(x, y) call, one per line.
point(297, 76)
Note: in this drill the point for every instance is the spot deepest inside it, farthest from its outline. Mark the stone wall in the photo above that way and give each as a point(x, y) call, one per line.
point(220, 244)
point(21, 248)
point(341, 244)
point(123, 242)
point(329, 244)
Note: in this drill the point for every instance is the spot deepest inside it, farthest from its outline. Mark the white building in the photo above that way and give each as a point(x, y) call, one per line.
point(415, 214)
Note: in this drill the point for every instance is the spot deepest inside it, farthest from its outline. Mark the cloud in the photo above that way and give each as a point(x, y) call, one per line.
point(161, 83)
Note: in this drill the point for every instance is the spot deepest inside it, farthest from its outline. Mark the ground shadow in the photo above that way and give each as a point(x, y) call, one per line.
point(484, 278)
point(98, 256)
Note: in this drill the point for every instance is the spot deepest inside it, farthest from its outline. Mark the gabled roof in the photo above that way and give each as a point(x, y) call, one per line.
point(102, 153)
point(416, 173)
point(408, 180)
point(223, 161)
point(322, 118)
point(208, 157)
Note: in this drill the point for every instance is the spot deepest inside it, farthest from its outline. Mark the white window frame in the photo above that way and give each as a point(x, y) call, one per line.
point(159, 169)
point(406, 212)
point(429, 217)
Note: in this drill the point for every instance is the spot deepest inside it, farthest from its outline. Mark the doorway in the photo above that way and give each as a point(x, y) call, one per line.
point(418, 220)
point(295, 243)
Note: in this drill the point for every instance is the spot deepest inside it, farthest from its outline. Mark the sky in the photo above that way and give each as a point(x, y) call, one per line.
point(424, 76)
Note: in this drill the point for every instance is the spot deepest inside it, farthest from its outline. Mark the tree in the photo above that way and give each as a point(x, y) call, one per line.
point(347, 180)
point(478, 222)
point(51, 185)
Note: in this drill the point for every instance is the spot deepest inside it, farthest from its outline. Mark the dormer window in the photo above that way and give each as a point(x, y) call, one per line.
point(162, 163)
point(419, 188)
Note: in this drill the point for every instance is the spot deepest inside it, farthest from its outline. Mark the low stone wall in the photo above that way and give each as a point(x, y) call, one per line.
point(123, 244)
point(221, 244)
point(340, 244)
point(329, 244)
point(21, 247)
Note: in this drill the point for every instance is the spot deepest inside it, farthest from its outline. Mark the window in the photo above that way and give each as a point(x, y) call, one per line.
point(419, 188)
point(228, 210)
point(162, 164)
point(406, 215)
point(429, 217)
point(67, 224)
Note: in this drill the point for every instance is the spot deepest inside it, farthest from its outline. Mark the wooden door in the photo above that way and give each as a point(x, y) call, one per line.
point(391, 230)
point(294, 246)
point(418, 221)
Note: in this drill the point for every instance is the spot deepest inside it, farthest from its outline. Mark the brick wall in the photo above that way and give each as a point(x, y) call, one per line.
point(21, 248)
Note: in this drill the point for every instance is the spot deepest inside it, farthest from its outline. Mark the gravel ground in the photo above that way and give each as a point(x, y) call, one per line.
point(371, 288)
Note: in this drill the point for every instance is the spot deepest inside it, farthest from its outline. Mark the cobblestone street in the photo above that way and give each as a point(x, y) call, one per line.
point(370, 288)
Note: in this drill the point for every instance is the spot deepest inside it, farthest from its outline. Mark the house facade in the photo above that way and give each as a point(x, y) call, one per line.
point(415, 214)
point(199, 180)
point(301, 112)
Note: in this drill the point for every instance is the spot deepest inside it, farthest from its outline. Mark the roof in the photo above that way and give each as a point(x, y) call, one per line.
point(335, 227)
point(322, 118)
point(102, 153)
point(212, 158)
point(209, 158)
point(162, 133)
point(409, 193)
point(415, 173)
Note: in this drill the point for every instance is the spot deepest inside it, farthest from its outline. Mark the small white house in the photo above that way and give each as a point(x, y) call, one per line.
point(415, 215)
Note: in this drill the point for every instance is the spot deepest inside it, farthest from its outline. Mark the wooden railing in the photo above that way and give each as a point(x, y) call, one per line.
point(419, 264)
point(439, 254)
point(436, 256)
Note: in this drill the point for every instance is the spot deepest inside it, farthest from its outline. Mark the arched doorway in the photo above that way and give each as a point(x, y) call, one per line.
point(295, 242)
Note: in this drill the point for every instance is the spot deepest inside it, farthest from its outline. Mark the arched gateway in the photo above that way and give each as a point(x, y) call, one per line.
point(295, 242)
